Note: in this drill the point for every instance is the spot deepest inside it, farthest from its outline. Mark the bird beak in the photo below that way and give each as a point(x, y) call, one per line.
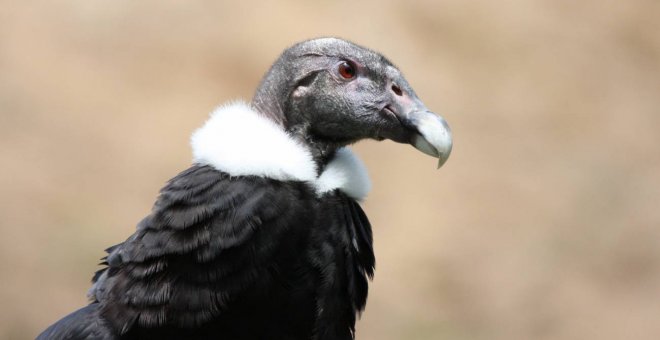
point(427, 132)
point(433, 136)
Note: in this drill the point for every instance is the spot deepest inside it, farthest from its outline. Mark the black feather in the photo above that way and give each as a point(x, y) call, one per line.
point(262, 259)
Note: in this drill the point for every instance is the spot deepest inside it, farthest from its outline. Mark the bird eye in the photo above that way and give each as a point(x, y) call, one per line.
point(346, 70)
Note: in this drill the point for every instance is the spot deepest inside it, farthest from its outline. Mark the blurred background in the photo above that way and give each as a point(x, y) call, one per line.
point(544, 223)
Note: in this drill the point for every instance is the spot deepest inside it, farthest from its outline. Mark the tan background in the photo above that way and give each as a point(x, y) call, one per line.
point(544, 223)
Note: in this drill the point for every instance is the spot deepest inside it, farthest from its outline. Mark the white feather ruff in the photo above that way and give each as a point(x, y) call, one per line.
point(238, 140)
point(347, 173)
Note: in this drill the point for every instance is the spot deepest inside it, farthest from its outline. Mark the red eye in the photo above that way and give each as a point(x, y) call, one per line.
point(346, 70)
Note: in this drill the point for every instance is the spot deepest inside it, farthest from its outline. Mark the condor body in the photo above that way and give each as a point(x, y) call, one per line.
point(263, 236)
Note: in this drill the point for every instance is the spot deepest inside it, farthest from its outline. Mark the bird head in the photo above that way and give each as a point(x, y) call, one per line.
point(330, 93)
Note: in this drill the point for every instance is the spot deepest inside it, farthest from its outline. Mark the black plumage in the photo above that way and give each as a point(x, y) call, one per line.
point(236, 255)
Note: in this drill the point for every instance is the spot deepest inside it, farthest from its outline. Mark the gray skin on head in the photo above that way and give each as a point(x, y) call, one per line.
point(305, 92)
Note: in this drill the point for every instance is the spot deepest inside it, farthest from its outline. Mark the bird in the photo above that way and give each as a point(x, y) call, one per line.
point(263, 236)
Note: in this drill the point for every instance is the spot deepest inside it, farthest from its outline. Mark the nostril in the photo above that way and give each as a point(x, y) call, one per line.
point(397, 90)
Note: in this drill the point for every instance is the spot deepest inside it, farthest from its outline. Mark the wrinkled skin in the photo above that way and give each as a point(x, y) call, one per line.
point(306, 93)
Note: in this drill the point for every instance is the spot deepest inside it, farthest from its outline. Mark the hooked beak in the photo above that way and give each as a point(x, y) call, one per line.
point(427, 132)
point(433, 135)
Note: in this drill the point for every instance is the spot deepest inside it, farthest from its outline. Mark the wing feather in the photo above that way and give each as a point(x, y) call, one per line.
point(209, 238)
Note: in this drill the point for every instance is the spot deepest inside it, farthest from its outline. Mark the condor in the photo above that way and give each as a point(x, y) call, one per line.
point(263, 237)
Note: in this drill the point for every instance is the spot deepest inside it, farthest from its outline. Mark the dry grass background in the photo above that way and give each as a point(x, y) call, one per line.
point(544, 224)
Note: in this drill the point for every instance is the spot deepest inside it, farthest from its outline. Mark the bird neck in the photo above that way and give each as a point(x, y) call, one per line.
point(297, 125)
point(322, 151)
